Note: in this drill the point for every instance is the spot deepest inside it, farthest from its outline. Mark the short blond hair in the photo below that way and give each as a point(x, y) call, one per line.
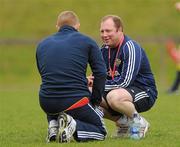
point(116, 19)
point(67, 18)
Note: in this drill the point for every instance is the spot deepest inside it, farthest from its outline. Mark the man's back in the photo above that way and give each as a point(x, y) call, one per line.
point(62, 62)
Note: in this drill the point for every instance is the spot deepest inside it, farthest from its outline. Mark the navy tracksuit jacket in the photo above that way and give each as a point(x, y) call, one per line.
point(132, 68)
point(62, 61)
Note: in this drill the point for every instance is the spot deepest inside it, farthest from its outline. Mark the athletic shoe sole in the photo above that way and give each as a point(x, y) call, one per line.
point(146, 128)
point(62, 125)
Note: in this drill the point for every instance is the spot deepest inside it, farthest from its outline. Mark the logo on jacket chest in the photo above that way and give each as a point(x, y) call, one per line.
point(118, 62)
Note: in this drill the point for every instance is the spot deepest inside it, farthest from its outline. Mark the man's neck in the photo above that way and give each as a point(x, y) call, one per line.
point(119, 41)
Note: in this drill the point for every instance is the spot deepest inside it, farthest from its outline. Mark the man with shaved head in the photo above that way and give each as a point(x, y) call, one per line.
point(62, 61)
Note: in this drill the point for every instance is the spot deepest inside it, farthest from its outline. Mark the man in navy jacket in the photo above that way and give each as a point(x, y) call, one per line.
point(62, 61)
point(130, 86)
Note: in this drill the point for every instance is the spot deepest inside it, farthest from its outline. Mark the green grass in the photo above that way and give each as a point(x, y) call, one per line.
point(36, 19)
point(18, 65)
point(23, 123)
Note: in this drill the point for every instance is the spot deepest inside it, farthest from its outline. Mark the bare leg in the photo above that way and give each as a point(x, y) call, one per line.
point(107, 114)
point(121, 101)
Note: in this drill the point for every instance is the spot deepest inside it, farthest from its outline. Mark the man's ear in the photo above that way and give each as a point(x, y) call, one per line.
point(77, 26)
point(57, 27)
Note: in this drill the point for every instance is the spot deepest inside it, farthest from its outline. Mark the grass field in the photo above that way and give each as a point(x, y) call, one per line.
point(22, 122)
point(36, 19)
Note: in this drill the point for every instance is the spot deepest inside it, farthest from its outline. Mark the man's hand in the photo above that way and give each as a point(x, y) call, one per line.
point(177, 6)
point(90, 80)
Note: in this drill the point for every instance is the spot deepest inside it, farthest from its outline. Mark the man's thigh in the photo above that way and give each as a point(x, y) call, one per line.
point(89, 121)
point(87, 114)
point(137, 96)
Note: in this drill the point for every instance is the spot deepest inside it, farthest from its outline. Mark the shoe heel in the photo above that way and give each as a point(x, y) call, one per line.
point(63, 138)
point(62, 121)
point(62, 125)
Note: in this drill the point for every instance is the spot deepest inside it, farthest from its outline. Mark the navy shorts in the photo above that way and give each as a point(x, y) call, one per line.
point(141, 100)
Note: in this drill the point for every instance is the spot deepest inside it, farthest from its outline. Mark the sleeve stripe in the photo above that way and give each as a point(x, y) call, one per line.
point(131, 65)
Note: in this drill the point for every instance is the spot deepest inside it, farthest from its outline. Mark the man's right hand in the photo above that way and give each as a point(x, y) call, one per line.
point(177, 6)
point(90, 80)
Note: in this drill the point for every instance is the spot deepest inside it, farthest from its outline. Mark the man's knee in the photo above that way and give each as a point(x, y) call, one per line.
point(114, 99)
point(118, 96)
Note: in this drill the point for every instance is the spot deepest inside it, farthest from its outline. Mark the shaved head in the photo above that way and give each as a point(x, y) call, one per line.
point(67, 18)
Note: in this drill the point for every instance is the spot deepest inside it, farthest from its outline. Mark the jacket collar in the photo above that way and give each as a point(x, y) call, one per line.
point(67, 28)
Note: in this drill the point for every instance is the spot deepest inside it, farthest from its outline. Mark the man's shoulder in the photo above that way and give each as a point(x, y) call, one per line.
point(128, 40)
point(130, 44)
point(45, 39)
point(86, 37)
point(43, 42)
